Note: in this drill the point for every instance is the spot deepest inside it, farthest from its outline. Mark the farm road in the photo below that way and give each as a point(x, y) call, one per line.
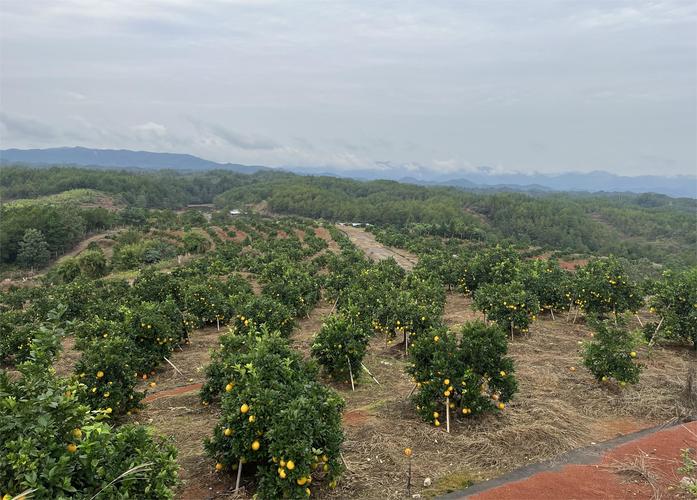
point(377, 251)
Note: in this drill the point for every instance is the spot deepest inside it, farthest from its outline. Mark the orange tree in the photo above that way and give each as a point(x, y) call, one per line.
point(276, 419)
point(104, 368)
point(341, 341)
point(55, 445)
point(474, 373)
point(155, 328)
point(603, 287)
point(548, 282)
point(500, 264)
point(290, 284)
point(443, 264)
point(263, 311)
point(612, 353)
point(674, 299)
point(510, 305)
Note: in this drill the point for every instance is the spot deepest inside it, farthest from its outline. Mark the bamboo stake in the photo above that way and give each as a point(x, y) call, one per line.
point(409, 480)
point(172, 365)
point(217, 322)
point(568, 315)
point(353, 388)
point(447, 415)
point(335, 303)
point(575, 314)
point(552, 311)
point(653, 337)
point(406, 343)
point(641, 323)
point(412, 390)
point(371, 375)
point(239, 476)
point(344, 460)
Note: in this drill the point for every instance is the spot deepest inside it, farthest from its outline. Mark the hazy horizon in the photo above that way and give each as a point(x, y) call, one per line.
point(544, 86)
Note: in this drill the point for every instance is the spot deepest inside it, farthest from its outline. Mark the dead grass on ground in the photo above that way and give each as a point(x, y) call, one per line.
point(555, 410)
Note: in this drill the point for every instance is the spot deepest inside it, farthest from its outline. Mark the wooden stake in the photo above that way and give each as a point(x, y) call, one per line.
point(353, 388)
point(217, 322)
point(412, 390)
point(641, 323)
point(172, 365)
point(371, 375)
point(552, 311)
point(406, 343)
point(575, 314)
point(409, 480)
point(239, 475)
point(447, 415)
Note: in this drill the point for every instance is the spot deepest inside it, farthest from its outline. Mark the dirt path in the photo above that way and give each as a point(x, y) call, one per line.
point(304, 333)
point(377, 251)
point(82, 246)
point(643, 466)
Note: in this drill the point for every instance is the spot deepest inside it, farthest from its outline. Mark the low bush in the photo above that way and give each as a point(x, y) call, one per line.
point(612, 354)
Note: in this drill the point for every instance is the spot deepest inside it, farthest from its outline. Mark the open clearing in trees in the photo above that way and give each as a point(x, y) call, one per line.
point(559, 407)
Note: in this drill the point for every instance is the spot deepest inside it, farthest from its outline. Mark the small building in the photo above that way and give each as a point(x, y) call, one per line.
point(235, 211)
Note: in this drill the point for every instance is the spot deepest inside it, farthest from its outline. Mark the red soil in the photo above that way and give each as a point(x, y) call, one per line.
point(355, 418)
point(172, 392)
point(658, 454)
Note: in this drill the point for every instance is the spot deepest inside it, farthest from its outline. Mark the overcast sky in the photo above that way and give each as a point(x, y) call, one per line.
point(543, 86)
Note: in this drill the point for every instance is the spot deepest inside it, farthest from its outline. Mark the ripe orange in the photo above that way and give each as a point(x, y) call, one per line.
point(244, 408)
point(218, 467)
point(290, 464)
point(407, 452)
point(77, 433)
point(227, 432)
point(255, 445)
point(72, 448)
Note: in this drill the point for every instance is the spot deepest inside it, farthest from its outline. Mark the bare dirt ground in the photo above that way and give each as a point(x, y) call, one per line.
point(377, 251)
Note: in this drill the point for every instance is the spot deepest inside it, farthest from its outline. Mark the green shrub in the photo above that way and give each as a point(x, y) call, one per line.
point(510, 305)
point(263, 311)
point(603, 287)
point(499, 265)
point(473, 375)
point(110, 380)
point(675, 301)
point(340, 341)
point(612, 353)
point(276, 418)
point(52, 444)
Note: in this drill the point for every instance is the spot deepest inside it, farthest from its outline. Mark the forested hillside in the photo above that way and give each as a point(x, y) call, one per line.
point(648, 226)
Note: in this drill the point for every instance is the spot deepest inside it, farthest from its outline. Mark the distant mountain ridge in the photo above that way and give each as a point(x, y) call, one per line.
point(483, 178)
point(123, 158)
